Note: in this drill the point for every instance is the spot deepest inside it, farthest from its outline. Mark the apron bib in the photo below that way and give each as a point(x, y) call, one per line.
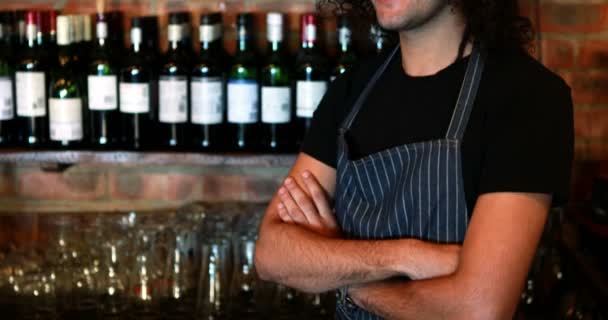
point(409, 191)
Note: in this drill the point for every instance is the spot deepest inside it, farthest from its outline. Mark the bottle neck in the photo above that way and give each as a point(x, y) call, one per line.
point(64, 55)
point(175, 36)
point(275, 46)
point(31, 32)
point(344, 39)
point(211, 46)
point(101, 30)
point(244, 39)
point(309, 45)
point(243, 45)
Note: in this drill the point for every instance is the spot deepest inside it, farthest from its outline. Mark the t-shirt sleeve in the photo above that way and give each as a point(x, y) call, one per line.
point(321, 141)
point(529, 147)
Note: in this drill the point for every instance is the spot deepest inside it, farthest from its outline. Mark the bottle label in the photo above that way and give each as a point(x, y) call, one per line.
point(243, 101)
point(103, 93)
point(309, 95)
point(134, 97)
point(65, 119)
point(207, 96)
point(31, 94)
point(173, 99)
point(276, 104)
point(6, 99)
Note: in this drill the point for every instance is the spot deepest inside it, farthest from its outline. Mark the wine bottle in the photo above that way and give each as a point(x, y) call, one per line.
point(276, 91)
point(50, 38)
point(186, 22)
point(102, 83)
point(7, 94)
point(152, 56)
point(311, 76)
point(65, 101)
point(135, 92)
point(208, 87)
point(173, 108)
point(243, 90)
point(77, 41)
point(346, 54)
point(31, 90)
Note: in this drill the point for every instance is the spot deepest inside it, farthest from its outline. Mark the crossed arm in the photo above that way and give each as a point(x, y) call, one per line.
point(299, 246)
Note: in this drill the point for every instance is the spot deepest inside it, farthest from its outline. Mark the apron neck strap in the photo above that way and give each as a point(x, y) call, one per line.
point(348, 121)
point(468, 93)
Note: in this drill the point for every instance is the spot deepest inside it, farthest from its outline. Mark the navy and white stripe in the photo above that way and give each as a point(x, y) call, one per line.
point(409, 191)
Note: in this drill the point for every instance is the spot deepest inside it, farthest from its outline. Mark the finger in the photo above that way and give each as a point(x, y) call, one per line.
point(319, 198)
point(291, 207)
point(282, 211)
point(303, 201)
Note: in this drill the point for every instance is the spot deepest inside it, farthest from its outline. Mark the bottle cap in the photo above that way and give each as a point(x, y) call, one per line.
point(87, 28)
point(211, 18)
point(244, 19)
point(274, 18)
point(63, 30)
point(309, 27)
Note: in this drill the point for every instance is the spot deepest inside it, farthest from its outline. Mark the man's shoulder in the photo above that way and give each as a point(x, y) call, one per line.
point(521, 73)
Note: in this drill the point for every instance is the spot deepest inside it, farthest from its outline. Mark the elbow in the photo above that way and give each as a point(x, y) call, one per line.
point(263, 262)
point(477, 303)
point(481, 312)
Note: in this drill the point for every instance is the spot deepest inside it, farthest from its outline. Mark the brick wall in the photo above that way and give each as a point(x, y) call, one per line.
point(572, 41)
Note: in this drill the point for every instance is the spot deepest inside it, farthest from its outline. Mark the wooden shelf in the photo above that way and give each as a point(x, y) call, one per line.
point(143, 158)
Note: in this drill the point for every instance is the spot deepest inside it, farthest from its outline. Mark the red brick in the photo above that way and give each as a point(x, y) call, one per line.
point(7, 184)
point(69, 185)
point(259, 189)
point(529, 9)
point(154, 186)
point(581, 150)
point(598, 123)
point(597, 151)
point(557, 54)
point(590, 87)
point(593, 54)
point(573, 18)
point(582, 123)
point(223, 188)
point(183, 187)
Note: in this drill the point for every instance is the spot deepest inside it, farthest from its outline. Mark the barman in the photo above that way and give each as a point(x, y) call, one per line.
point(425, 181)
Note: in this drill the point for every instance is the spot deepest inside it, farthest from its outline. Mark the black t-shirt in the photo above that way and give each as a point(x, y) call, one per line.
point(519, 137)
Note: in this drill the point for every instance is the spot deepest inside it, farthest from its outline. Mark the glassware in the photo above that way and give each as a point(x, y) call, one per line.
point(116, 260)
point(213, 282)
point(148, 287)
point(244, 280)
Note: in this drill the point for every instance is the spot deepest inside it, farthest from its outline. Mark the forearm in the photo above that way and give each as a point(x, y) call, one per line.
point(296, 257)
point(299, 258)
point(440, 298)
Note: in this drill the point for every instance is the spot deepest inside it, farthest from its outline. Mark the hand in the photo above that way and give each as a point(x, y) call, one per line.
point(311, 210)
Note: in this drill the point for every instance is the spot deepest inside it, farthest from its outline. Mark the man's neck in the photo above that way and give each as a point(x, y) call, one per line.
point(434, 45)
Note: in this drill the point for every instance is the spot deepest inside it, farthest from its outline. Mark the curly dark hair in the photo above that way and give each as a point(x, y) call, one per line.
point(495, 23)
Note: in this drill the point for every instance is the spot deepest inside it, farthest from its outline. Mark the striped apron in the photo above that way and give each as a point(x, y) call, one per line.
point(409, 191)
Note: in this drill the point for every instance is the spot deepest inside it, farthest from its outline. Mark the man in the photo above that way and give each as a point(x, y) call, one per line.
point(442, 158)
